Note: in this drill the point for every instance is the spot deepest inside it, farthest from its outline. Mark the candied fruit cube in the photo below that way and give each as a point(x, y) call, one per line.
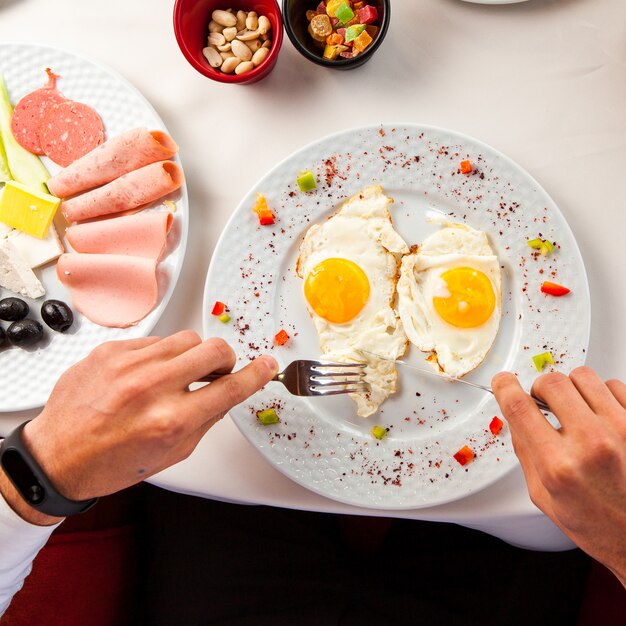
point(368, 14)
point(354, 31)
point(362, 41)
point(332, 6)
point(344, 13)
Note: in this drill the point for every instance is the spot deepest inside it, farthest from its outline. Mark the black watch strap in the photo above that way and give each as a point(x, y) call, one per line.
point(32, 483)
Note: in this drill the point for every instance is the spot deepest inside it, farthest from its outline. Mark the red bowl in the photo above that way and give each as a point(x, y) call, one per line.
point(191, 20)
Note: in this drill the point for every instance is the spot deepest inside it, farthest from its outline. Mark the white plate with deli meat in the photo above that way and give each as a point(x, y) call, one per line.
point(485, 230)
point(121, 261)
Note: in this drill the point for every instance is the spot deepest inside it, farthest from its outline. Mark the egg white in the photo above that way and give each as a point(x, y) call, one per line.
point(362, 232)
point(457, 351)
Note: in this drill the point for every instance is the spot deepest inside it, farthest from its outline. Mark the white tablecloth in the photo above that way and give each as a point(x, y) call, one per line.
point(542, 81)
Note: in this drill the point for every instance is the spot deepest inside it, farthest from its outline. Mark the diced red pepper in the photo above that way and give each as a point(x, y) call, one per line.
point(466, 167)
point(496, 425)
point(218, 308)
point(553, 289)
point(281, 337)
point(464, 455)
point(367, 15)
point(266, 218)
point(321, 8)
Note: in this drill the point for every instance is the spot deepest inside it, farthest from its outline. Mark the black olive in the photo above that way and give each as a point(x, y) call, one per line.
point(24, 333)
point(13, 309)
point(2, 336)
point(57, 315)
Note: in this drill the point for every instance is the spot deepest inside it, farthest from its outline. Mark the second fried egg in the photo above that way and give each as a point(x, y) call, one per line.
point(449, 297)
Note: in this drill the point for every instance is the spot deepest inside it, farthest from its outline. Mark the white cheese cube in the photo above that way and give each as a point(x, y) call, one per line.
point(35, 251)
point(15, 275)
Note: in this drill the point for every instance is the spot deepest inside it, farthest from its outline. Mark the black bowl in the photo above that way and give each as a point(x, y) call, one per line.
point(296, 24)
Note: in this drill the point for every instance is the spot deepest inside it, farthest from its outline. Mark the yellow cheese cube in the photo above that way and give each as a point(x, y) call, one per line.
point(26, 209)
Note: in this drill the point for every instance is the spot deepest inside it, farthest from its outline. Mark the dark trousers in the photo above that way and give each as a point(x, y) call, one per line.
point(207, 562)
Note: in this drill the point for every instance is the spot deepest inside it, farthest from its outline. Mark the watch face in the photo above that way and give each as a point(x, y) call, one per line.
point(22, 476)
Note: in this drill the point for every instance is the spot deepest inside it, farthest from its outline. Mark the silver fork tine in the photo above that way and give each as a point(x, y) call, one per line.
point(332, 391)
point(331, 380)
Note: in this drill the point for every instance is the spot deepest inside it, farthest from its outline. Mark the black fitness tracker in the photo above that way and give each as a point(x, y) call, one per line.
point(32, 483)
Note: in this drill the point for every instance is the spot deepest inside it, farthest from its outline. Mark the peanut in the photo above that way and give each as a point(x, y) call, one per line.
point(237, 41)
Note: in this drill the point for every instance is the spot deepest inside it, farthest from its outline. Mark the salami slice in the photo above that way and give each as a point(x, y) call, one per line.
point(30, 111)
point(69, 130)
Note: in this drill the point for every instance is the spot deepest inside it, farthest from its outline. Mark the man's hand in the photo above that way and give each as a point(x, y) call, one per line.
point(126, 412)
point(575, 475)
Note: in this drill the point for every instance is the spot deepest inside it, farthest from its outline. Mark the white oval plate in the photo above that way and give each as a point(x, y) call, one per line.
point(28, 376)
point(320, 442)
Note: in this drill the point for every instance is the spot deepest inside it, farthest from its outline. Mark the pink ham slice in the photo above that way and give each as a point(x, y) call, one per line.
point(116, 156)
point(69, 130)
point(30, 111)
point(111, 290)
point(132, 190)
point(143, 234)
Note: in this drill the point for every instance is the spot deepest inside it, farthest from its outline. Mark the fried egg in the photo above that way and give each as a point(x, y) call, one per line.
point(349, 265)
point(449, 297)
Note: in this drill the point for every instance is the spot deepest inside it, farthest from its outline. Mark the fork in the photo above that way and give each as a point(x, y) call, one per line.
point(306, 377)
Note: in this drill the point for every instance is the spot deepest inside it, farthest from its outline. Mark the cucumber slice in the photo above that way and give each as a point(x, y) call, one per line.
point(23, 166)
point(5, 174)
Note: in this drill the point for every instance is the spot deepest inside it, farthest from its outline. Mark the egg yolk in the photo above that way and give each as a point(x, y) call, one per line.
point(337, 290)
point(471, 301)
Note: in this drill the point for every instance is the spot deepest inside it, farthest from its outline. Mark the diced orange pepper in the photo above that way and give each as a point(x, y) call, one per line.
point(266, 217)
point(464, 455)
point(281, 337)
point(553, 289)
point(466, 167)
point(358, 5)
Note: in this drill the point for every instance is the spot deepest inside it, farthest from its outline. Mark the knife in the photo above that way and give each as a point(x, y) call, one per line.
point(540, 403)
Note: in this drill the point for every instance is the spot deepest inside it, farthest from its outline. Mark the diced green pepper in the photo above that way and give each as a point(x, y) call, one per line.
point(546, 248)
point(543, 245)
point(267, 417)
point(344, 13)
point(352, 32)
point(541, 360)
point(379, 432)
point(306, 181)
point(224, 318)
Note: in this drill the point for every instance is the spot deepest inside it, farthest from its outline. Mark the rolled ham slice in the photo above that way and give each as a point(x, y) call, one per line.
point(132, 190)
point(111, 290)
point(143, 234)
point(116, 156)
